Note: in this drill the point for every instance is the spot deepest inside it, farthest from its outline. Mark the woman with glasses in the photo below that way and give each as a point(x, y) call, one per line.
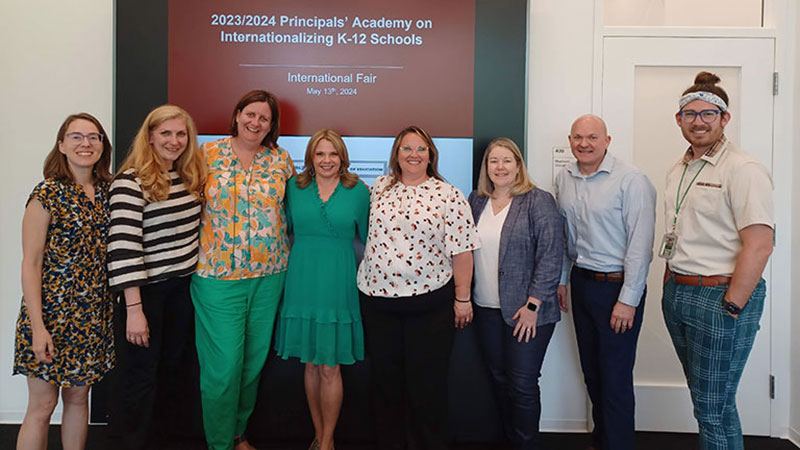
point(244, 251)
point(517, 270)
point(320, 321)
point(152, 249)
point(415, 287)
point(64, 340)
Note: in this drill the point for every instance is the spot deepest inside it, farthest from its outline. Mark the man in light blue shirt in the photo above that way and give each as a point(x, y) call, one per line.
point(609, 211)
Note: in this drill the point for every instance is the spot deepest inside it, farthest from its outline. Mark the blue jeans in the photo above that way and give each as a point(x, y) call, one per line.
point(607, 360)
point(713, 347)
point(515, 368)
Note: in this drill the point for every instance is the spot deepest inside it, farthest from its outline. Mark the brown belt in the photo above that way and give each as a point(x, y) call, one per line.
point(614, 277)
point(699, 280)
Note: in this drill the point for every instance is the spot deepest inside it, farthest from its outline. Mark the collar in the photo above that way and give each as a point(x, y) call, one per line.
point(607, 165)
point(427, 184)
point(712, 155)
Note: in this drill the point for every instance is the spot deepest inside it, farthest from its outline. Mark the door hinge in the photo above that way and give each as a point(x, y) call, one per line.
point(772, 387)
point(775, 84)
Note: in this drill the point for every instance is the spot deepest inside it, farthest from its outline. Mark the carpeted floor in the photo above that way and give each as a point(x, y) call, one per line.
point(100, 440)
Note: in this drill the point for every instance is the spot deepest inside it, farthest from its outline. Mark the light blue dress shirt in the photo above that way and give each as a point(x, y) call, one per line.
point(610, 221)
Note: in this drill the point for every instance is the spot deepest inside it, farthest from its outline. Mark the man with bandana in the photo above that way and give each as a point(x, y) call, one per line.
point(718, 238)
point(609, 207)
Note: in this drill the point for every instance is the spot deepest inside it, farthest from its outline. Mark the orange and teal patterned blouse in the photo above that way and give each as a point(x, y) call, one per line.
point(243, 228)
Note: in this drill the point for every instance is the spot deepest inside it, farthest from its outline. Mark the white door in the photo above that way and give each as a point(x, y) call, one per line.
point(642, 81)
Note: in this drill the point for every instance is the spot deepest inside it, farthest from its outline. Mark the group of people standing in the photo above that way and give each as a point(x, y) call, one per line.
point(195, 243)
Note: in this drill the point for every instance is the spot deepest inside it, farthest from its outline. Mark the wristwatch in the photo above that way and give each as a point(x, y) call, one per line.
point(731, 307)
point(532, 306)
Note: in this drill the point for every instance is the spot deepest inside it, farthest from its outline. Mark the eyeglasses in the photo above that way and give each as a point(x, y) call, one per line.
point(77, 138)
point(706, 115)
point(420, 149)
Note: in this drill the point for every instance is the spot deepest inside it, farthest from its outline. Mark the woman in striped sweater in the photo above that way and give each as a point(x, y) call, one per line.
point(152, 243)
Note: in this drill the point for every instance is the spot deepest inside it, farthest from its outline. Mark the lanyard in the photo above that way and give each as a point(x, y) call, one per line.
point(678, 199)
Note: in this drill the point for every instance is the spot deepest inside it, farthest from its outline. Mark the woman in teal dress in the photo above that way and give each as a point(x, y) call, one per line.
point(320, 320)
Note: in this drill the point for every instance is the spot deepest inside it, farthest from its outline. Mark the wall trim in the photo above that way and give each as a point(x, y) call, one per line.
point(564, 426)
point(794, 437)
point(682, 32)
point(15, 417)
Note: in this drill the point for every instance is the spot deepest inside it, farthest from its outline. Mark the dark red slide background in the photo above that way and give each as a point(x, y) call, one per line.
point(429, 84)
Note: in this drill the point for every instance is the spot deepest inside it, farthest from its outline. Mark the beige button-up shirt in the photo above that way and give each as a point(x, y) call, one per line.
point(732, 191)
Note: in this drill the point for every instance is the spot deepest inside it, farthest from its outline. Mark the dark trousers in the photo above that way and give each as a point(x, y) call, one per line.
point(158, 385)
point(606, 359)
point(515, 368)
point(409, 342)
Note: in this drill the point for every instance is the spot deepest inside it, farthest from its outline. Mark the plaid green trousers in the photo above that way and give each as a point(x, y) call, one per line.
point(713, 348)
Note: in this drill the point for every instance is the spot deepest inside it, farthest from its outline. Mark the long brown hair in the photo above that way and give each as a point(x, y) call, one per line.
point(347, 178)
point(149, 166)
point(56, 164)
point(394, 163)
point(271, 139)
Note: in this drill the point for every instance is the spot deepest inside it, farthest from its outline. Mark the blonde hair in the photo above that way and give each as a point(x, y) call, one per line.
point(347, 178)
point(148, 165)
point(522, 183)
point(394, 162)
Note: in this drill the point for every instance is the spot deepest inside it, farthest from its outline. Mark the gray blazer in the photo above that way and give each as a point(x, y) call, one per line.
point(531, 252)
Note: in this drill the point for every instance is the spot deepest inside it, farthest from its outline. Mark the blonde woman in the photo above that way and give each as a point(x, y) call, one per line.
point(152, 251)
point(320, 321)
point(517, 270)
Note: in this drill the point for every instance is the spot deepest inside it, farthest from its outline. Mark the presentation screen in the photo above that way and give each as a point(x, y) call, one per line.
point(366, 69)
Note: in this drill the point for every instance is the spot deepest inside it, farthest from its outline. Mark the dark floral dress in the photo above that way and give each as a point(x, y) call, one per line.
point(76, 304)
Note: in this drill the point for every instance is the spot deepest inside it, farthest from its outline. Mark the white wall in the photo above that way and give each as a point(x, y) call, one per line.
point(57, 59)
point(559, 90)
point(794, 416)
point(738, 13)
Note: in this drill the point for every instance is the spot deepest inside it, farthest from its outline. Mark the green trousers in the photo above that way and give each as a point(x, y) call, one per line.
point(234, 320)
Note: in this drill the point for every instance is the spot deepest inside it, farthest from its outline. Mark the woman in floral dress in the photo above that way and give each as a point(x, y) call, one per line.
point(64, 337)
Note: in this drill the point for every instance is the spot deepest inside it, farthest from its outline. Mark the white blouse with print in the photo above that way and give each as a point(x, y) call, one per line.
point(413, 233)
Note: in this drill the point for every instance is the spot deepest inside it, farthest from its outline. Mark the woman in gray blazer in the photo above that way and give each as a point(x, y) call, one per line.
point(517, 270)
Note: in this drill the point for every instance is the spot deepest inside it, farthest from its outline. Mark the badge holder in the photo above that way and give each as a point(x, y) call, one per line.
point(668, 242)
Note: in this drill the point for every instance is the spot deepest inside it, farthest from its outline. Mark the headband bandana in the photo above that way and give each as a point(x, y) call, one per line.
point(705, 96)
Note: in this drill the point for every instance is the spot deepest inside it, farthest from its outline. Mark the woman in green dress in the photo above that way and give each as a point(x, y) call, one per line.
point(320, 320)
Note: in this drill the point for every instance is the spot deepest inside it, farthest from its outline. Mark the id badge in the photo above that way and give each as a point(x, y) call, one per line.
point(668, 245)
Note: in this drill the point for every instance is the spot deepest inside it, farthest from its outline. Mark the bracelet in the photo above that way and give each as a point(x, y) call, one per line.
point(462, 301)
point(133, 304)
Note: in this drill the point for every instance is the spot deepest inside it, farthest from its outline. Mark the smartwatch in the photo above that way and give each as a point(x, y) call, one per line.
point(532, 306)
point(731, 307)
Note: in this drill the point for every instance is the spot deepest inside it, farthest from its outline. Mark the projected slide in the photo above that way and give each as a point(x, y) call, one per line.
point(364, 68)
